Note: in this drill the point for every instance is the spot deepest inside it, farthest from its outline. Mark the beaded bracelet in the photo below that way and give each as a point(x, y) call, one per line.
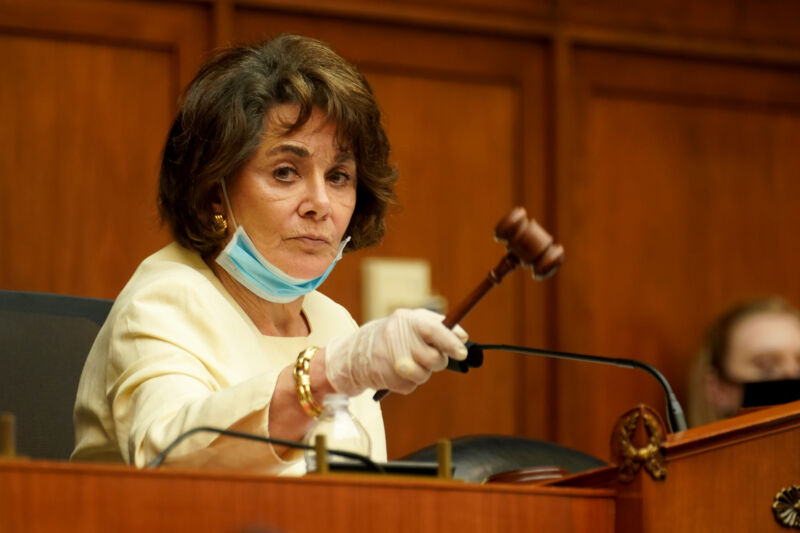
point(302, 381)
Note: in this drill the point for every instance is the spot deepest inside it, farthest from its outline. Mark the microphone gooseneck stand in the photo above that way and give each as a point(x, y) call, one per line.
point(159, 459)
point(675, 415)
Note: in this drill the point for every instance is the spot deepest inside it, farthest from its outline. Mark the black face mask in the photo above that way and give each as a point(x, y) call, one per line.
point(761, 393)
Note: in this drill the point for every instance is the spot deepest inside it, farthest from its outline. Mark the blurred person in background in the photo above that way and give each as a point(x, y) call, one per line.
point(754, 341)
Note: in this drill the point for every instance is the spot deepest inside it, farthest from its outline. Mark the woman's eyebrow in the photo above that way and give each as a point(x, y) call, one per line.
point(299, 151)
point(296, 150)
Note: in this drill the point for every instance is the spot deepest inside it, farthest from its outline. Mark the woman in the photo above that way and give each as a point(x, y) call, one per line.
point(756, 340)
point(276, 163)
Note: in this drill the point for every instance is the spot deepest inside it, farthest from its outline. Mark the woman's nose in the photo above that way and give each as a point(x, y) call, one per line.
point(317, 203)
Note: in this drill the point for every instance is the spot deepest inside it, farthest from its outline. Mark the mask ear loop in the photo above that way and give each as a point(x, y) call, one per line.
point(228, 203)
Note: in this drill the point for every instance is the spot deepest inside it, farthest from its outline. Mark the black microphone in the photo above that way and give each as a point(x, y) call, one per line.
point(676, 418)
point(158, 459)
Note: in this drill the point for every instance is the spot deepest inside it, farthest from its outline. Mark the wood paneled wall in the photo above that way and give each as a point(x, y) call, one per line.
point(657, 140)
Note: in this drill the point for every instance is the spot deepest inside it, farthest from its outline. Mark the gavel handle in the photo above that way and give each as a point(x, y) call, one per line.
point(494, 277)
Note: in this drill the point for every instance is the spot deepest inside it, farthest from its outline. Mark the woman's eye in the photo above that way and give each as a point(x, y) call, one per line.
point(284, 173)
point(767, 367)
point(339, 177)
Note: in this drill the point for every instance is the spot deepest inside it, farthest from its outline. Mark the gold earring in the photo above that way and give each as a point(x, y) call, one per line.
point(220, 224)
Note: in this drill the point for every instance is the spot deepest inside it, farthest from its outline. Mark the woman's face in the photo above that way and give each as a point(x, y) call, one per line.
point(764, 347)
point(296, 194)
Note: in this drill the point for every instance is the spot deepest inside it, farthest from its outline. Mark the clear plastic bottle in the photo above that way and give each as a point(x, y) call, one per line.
point(341, 429)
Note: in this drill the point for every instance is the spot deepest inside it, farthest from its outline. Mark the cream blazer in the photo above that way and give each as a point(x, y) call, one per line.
point(177, 352)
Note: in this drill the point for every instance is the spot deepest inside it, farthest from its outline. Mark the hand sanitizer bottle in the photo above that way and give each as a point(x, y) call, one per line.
point(341, 429)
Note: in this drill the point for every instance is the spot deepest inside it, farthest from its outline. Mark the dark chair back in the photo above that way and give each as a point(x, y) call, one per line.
point(477, 457)
point(44, 341)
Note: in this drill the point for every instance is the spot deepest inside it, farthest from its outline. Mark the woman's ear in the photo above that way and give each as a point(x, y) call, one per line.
point(217, 200)
point(726, 397)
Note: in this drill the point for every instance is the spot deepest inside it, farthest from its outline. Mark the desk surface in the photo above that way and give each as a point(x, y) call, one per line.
point(720, 477)
point(52, 496)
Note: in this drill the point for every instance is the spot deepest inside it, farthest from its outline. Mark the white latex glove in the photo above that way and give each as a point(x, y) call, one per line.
point(398, 352)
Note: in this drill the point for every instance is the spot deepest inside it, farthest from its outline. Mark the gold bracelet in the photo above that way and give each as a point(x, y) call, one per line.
point(302, 381)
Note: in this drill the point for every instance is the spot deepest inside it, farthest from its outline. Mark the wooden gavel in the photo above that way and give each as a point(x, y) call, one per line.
point(527, 243)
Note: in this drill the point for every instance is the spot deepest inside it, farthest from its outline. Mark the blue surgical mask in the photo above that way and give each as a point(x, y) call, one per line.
point(241, 259)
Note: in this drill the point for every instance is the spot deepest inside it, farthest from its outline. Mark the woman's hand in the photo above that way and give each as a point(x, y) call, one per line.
point(398, 352)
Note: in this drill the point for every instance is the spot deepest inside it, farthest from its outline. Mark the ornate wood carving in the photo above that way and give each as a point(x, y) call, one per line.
point(633, 449)
point(787, 507)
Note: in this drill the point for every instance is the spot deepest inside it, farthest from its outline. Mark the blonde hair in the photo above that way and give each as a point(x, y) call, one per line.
point(713, 355)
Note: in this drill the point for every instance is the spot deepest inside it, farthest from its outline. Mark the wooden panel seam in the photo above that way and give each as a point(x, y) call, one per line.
point(92, 39)
point(528, 26)
point(688, 99)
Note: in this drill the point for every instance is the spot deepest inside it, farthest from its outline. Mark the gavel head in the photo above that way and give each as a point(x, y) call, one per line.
point(530, 243)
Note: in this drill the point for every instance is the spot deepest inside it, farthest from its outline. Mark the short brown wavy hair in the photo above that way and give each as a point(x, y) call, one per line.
point(221, 122)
